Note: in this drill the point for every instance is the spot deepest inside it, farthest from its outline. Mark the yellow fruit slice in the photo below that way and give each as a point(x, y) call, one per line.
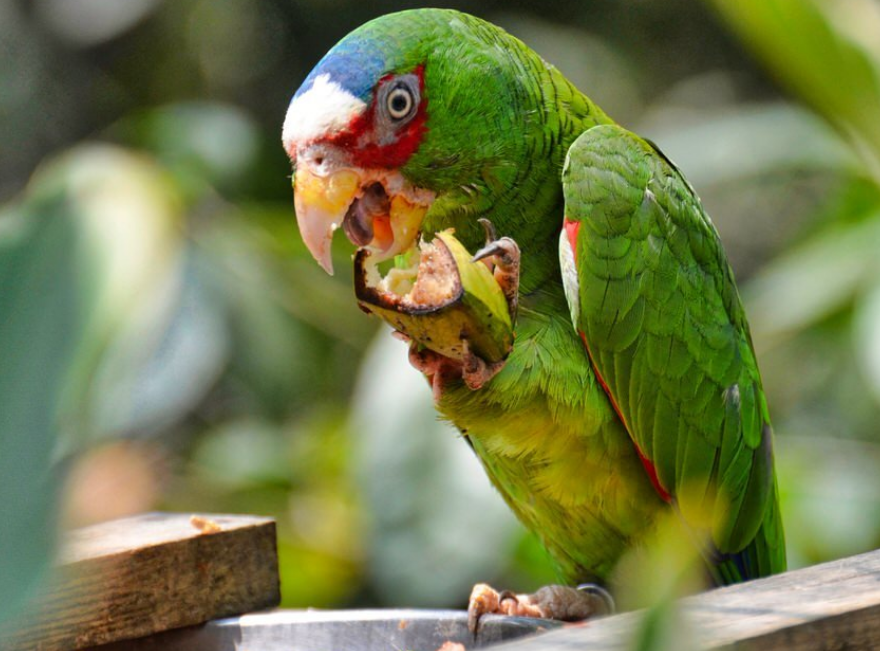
point(446, 300)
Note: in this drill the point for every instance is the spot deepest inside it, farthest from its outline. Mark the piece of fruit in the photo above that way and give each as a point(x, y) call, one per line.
point(440, 300)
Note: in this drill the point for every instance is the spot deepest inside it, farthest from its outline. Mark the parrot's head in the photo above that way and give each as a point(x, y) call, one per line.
point(415, 122)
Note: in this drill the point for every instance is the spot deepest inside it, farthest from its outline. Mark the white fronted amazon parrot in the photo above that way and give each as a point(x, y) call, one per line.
point(631, 387)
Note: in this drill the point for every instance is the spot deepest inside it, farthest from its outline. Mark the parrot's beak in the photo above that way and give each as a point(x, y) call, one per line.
point(321, 203)
point(376, 209)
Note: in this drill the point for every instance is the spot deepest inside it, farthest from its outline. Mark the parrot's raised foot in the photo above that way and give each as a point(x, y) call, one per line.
point(559, 602)
point(503, 255)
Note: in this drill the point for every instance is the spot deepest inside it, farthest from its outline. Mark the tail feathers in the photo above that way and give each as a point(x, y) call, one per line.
point(764, 556)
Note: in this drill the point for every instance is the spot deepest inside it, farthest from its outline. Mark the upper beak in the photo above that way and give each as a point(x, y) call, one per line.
point(321, 203)
point(347, 196)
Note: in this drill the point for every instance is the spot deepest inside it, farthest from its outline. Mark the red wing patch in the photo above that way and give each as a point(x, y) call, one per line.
point(571, 229)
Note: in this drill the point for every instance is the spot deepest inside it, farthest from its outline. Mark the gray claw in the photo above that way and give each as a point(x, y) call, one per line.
point(600, 593)
point(501, 249)
point(489, 227)
point(505, 252)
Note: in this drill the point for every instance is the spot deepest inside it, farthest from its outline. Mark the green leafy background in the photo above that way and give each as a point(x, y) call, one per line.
point(166, 342)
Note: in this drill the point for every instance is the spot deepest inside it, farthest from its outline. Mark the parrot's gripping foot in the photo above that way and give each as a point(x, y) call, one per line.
point(502, 255)
point(559, 602)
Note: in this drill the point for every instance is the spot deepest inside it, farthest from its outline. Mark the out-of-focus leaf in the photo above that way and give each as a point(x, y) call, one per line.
point(313, 577)
point(199, 142)
point(830, 496)
point(40, 323)
point(652, 576)
point(662, 627)
point(89, 22)
point(130, 220)
point(814, 279)
point(241, 455)
point(826, 51)
point(866, 322)
point(293, 328)
point(235, 42)
point(751, 141)
point(155, 370)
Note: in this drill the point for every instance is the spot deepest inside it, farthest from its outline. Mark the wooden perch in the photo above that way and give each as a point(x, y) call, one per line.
point(137, 576)
point(830, 606)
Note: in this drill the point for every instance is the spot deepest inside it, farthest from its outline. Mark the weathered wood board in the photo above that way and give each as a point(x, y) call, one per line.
point(137, 576)
point(830, 606)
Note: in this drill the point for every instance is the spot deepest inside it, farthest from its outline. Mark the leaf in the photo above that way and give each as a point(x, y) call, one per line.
point(813, 280)
point(790, 139)
point(825, 51)
point(39, 326)
point(866, 326)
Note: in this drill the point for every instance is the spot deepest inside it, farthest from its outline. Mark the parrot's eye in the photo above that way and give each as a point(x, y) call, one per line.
point(400, 98)
point(399, 103)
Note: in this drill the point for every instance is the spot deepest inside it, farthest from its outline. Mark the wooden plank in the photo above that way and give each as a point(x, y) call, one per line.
point(137, 576)
point(830, 606)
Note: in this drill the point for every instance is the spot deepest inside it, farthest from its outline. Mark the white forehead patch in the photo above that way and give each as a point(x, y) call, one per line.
point(324, 108)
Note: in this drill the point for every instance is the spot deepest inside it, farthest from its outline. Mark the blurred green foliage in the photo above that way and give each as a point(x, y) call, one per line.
point(161, 314)
point(39, 330)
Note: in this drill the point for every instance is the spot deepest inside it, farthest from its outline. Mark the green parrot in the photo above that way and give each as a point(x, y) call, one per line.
point(632, 388)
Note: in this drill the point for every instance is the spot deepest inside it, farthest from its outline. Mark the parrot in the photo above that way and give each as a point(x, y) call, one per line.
point(631, 390)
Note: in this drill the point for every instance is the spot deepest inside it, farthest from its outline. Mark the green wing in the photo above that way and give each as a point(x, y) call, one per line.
point(654, 298)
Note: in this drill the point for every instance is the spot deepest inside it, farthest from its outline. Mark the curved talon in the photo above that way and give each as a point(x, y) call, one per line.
point(505, 250)
point(507, 594)
point(506, 254)
point(489, 228)
point(600, 593)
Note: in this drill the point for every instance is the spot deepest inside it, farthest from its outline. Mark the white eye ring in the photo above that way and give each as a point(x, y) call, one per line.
point(399, 103)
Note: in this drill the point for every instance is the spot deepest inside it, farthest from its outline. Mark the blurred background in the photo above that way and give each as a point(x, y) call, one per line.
point(167, 342)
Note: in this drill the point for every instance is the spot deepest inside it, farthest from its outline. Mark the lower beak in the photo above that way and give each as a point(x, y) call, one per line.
point(324, 202)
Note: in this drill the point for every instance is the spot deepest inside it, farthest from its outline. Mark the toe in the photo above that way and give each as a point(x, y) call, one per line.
point(484, 599)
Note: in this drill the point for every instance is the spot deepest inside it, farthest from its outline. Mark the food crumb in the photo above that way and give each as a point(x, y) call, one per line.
point(205, 525)
point(402, 624)
point(449, 645)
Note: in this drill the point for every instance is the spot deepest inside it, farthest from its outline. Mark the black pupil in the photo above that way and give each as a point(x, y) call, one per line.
point(399, 102)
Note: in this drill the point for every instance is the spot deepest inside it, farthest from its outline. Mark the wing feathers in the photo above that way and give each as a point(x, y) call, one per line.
point(662, 318)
